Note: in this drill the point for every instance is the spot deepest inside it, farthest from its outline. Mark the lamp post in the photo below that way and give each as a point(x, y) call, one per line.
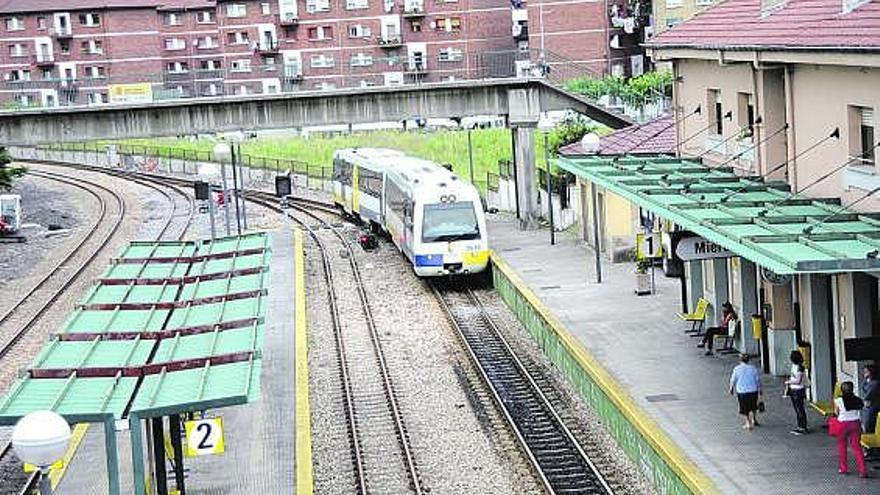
point(41, 438)
point(545, 126)
point(241, 186)
point(223, 153)
point(590, 145)
point(235, 190)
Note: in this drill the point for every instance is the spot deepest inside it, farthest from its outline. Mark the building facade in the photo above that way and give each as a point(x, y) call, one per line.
point(668, 13)
point(93, 52)
point(787, 93)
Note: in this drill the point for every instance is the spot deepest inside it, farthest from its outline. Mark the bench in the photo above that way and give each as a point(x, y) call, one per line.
point(872, 440)
point(728, 340)
point(697, 317)
point(826, 408)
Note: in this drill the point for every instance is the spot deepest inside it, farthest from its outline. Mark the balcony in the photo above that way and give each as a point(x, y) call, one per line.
point(267, 47)
point(416, 67)
point(43, 60)
point(208, 74)
point(61, 33)
point(288, 20)
point(391, 41)
point(521, 32)
point(413, 12)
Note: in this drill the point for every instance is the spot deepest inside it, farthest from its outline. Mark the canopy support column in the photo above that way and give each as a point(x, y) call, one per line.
point(110, 448)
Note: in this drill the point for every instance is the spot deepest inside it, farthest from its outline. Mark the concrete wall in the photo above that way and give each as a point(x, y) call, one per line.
point(682, 10)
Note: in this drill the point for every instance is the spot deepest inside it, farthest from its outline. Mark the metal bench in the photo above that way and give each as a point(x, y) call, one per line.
point(697, 317)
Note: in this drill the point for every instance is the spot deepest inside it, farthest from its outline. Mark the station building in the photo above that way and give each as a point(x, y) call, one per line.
point(774, 167)
point(98, 51)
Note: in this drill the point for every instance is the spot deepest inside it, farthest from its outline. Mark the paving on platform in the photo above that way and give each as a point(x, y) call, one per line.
point(260, 436)
point(641, 342)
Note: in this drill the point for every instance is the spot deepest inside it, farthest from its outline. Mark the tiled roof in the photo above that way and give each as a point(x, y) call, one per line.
point(25, 6)
point(654, 138)
point(795, 24)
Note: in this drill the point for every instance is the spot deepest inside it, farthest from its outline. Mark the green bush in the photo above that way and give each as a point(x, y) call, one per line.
point(634, 90)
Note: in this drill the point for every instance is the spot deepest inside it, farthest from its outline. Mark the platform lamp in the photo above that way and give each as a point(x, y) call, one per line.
point(545, 126)
point(223, 153)
point(41, 438)
point(591, 144)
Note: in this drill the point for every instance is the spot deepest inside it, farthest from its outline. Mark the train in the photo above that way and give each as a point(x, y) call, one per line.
point(434, 218)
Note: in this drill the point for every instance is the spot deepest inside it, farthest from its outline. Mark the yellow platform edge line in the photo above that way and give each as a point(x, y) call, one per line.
point(76, 438)
point(304, 474)
point(675, 457)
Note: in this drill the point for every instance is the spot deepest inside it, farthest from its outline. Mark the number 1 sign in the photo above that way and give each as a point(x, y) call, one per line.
point(204, 437)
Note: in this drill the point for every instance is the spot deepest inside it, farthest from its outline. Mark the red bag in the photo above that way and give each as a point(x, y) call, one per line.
point(835, 427)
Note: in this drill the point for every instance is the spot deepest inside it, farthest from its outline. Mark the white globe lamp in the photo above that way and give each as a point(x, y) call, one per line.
point(222, 152)
point(590, 143)
point(41, 438)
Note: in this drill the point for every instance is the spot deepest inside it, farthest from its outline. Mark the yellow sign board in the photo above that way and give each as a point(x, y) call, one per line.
point(648, 245)
point(204, 437)
point(130, 93)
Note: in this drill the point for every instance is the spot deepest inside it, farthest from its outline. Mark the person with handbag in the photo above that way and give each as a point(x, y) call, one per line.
point(728, 318)
point(745, 381)
point(847, 412)
point(796, 390)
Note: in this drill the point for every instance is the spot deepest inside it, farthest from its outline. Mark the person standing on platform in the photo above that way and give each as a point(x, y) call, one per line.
point(796, 389)
point(745, 381)
point(848, 408)
point(871, 396)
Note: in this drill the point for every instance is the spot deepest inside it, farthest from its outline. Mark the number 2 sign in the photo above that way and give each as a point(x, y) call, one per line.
point(204, 437)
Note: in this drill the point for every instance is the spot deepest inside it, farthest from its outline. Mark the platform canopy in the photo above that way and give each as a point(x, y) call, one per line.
point(170, 327)
point(760, 221)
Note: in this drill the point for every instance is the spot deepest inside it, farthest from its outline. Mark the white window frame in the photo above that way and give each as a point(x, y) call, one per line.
point(705, 3)
point(673, 4)
point(265, 8)
point(19, 51)
point(236, 10)
point(207, 43)
point(240, 65)
point(357, 4)
point(321, 36)
point(205, 17)
point(313, 6)
point(173, 19)
point(93, 19)
point(14, 23)
point(359, 31)
point(174, 44)
point(450, 54)
point(361, 59)
point(97, 98)
point(240, 38)
point(94, 72)
point(322, 61)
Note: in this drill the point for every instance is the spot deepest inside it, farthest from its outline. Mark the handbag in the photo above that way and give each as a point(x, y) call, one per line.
point(835, 427)
point(761, 407)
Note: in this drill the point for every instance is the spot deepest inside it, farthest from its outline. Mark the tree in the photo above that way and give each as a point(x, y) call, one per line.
point(7, 173)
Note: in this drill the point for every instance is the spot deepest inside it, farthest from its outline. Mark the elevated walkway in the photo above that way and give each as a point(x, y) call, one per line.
point(641, 343)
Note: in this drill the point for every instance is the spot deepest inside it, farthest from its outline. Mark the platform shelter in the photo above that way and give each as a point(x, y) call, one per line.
point(170, 329)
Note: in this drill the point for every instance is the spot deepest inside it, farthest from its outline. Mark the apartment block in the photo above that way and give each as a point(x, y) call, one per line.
point(95, 51)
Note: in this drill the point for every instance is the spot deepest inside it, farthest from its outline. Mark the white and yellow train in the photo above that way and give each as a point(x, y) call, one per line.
point(434, 218)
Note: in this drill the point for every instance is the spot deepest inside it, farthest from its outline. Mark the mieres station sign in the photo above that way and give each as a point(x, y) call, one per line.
point(698, 248)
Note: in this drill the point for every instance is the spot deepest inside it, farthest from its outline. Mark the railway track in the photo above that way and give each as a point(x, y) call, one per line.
point(557, 457)
point(13, 479)
point(372, 412)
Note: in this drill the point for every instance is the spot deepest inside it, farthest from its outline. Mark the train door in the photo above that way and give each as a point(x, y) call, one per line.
point(355, 190)
point(408, 226)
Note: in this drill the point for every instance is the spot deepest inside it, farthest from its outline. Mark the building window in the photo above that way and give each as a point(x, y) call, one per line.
point(361, 60)
point(173, 19)
point(357, 4)
point(242, 65)
point(416, 26)
point(745, 111)
point(266, 8)
point(236, 10)
point(17, 50)
point(207, 42)
point(322, 61)
point(177, 67)
point(90, 20)
point(211, 65)
point(20, 75)
point(97, 98)
point(41, 23)
point(671, 4)
point(93, 47)
point(451, 55)
point(65, 47)
point(269, 63)
point(14, 23)
point(313, 6)
point(175, 44)
point(47, 74)
point(713, 103)
point(359, 31)
point(95, 72)
point(320, 33)
point(861, 135)
point(237, 38)
point(205, 17)
point(704, 3)
point(448, 24)
point(672, 21)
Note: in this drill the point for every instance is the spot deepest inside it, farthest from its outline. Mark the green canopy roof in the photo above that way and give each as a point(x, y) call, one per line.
point(760, 221)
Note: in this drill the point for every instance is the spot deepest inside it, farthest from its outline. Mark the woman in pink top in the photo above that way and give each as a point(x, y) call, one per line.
point(848, 410)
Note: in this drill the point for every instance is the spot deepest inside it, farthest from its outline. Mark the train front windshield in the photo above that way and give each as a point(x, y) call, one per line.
point(445, 222)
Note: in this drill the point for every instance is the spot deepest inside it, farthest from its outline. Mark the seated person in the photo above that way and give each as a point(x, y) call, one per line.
point(728, 316)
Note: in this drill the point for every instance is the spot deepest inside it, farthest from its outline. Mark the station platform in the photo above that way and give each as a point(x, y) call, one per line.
point(641, 342)
point(260, 437)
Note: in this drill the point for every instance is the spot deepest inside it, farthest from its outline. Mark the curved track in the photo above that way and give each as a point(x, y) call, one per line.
point(556, 455)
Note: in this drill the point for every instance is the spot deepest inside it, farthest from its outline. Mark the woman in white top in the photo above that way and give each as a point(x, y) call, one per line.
point(796, 387)
point(848, 410)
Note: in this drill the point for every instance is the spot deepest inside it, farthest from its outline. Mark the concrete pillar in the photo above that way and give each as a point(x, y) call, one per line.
point(694, 277)
point(815, 298)
point(864, 312)
point(748, 278)
point(526, 175)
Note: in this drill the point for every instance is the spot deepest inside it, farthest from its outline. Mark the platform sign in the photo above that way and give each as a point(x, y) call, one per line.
point(204, 437)
point(649, 245)
point(698, 248)
point(130, 93)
